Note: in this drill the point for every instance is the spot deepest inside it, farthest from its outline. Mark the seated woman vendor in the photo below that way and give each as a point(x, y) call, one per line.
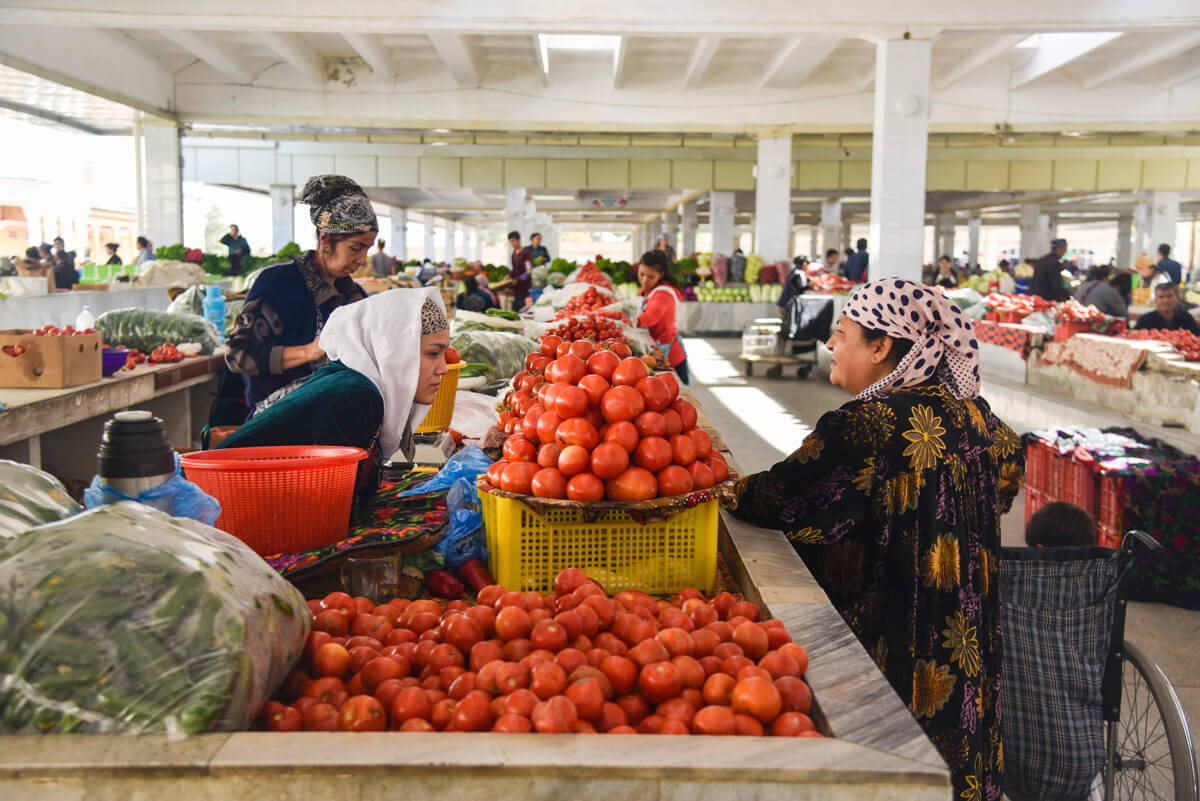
point(274, 342)
point(386, 361)
point(894, 502)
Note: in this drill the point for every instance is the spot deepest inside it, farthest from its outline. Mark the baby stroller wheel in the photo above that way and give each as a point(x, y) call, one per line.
point(774, 371)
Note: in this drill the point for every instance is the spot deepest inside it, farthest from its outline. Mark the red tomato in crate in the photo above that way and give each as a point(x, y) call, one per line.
point(622, 403)
point(623, 433)
point(518, 448)
point(452, 356)
point(577, 431)
point(572, 402)
point(585, 487)
point(603, 363)
point(629, 372)
point(549, 482)
point(595, 386)
point(549, 346)
point(609, 460)
point(674, 480)
point(652, 453)
point(633, 484)
point(518, 477)
point(655, 393)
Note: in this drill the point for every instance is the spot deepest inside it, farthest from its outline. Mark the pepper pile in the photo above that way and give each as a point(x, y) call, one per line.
point(1186, 343)
point(574, 662)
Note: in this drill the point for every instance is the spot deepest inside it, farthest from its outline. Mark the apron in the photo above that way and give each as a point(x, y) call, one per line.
point(666, 347)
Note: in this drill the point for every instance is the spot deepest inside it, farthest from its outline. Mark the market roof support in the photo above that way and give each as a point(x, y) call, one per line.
point(899, 151)
point(1124, 241)
point(831, 226)
point(283, 215)
point(451, 235)
point(973, 225)
point(721, 209)
point(399, 233)
point(430, 241)
point(164, 183)
point(1164, 217)
point(944, 235)
point(1035, 232)
point(773, 198)
point(688, 216)
point(670, 227)
point(479, 244)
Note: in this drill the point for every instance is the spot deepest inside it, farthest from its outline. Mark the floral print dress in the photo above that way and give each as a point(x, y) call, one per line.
point(895, 505)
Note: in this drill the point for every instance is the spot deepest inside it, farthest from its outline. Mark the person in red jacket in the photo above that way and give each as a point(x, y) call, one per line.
point(660, 305)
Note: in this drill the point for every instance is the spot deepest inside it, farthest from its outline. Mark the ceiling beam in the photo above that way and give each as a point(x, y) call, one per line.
point(800, 57)
point(997, 47)
point(698, 64)
point(1189, 74)
point(620, 60)
point(455, 53)
point(1057, 50)
point(1164, 48)
point(292, 48)
point(367, 45)
point(219, 56)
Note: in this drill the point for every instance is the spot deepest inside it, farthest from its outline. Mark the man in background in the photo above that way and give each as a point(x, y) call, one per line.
point(664, 244)
point(832, 257)
point(1166, 264)
point(239, 248)
point(1047, 274)
point(60, 249)
point(381, 263)
point(145, 252)
point(856, 265)
point(1167, 314)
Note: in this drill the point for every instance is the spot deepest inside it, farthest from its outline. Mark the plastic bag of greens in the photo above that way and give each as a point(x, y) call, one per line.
point(29, 497)
point(146, 329)
point(503, 353)
point(123, 619)
point(189, 301)
point(473, 321)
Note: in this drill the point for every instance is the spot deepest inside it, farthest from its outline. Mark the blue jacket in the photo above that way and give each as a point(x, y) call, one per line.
point(1171, 268)
point(856, 266)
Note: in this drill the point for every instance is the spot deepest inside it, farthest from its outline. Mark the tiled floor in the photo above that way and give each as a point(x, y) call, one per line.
point(765, 419)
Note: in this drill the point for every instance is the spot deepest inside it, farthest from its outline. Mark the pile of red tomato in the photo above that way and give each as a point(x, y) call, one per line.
point(591, 274)
point(166, 353)
point(55, 331)
point(590, 299)
point(1021, 304)
point(586, 424)
point(1186, 343)
point(1074, 311)
point(594, 326)
point(575, 662)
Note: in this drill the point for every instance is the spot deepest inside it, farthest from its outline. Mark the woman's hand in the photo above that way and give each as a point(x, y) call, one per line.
point(313, 351)
point(298, 355)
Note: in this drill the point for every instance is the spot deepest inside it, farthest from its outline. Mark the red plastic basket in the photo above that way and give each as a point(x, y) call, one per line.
point(1044, 469)
point(1066, 329)
point(1034, 500)
point(1110, 523)
point(280, 499)
point(1079, 484)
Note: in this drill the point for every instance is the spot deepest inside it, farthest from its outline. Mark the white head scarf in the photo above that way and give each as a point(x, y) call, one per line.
point(380, 337)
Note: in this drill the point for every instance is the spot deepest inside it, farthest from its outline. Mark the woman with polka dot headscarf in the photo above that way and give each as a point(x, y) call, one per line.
point(894, 502)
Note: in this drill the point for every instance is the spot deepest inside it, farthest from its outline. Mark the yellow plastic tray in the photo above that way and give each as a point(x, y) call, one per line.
point(442, 411)
point(528, 549)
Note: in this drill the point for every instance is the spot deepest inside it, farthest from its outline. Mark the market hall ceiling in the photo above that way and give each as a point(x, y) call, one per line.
point(615, 67)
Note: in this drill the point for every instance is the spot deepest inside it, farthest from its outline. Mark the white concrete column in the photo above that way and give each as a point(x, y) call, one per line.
point(831, 225)
point(1052, 226)
point(973, 227)
point(283, 215)
point(814, 243)
point(1164, 216)
point(479, 244)
point(898, 158)
point(671, 229)
point(399, 233)
point(33, 223)
point(1035, 232)
point(1124, 241)
point(1141, 227)
point(943, 235)
point(451, 244)
point(430, 241)
point(687, 214)
point(721, 209)
point(773, 198)
point(164, 185)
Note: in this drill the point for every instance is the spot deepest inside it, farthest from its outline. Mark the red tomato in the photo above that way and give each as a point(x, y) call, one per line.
point(656, 393)
point(622, 403)
point(634, 484)
point(595, 386)
point(629, 372)
point(577, 431)
point(571, 402)
point(547, 425)
point(555, 716)
point(583, 350)
point(672, 384)
point(529, 422)
point(321, 717)
point(623, 433)
point(674, 480)
point(652, 453)
point(518, 448)
point(621, 349)
point(518, 477)
point(562, 350)
point(683, 450)
point(573, 460)
point(549, 345)
point(674, 422)
point(686, 412)
point(659, 682)
point(603, 363)
point(702, 441)
point(549, 483)
point(362, 713)
point(609, 460)
point(585, 487)
point(452, 356)
point(493, 472)
point(651, 424)
point(547, 456)
point(701, 474)
point(566, 370)
point(720, 470)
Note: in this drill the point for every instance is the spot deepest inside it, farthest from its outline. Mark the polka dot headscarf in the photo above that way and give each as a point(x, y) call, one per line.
point(433, 318)
point(944, 343)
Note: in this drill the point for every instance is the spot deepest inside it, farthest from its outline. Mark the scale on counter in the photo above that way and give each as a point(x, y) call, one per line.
point(431, 449)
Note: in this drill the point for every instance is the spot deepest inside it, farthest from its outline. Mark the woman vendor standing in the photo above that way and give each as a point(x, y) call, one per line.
point(894, 502)
point(660, 310)
point(386, 361)
point(274, 343)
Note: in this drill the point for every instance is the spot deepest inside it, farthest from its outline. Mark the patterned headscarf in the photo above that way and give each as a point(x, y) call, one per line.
point(943, 337)
point(433, 317)
point(337, 205)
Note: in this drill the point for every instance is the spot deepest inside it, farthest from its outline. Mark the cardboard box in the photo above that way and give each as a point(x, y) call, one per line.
point(32, 362)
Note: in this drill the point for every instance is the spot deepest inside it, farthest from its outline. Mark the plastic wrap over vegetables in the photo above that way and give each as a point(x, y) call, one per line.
point(126, 620)
point(146, 329)
point(29, 497)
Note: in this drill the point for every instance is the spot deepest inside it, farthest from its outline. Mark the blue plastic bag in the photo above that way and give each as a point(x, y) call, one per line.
point(465, 539)
point(176, 496)
point(468, 463)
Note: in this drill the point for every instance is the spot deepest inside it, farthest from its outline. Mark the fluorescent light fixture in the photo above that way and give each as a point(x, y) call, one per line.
point(1039, 40)
point(438, 144)
point(441, 130)
point(575, 41)
point(1030, 43)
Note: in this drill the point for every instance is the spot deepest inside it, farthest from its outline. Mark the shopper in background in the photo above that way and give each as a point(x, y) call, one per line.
point(537, 251)
point(60, 249)
point(830, 265)
point(795, 284)
point(1167, 314)
point(856, 264)
point(33, 266)
point(660, 309)
point(894, 502)
point(520, 278)
point(1097, 291)
point(274, 345)
point(664, 246)
point(239, 249)
point(946, 277)
point(1059, 524)
point(382, 264)
point(145, 251)
point(478, 297)
point(1168, 265)
point(1047, 274)
point(1148, 273)
point(65, 276)
point(113, 258)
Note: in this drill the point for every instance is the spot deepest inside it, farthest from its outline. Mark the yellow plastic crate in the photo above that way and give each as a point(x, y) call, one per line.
point(442, 411)
point(528, 549)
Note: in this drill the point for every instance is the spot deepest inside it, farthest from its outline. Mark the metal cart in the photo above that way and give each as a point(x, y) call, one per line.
point(791, 341)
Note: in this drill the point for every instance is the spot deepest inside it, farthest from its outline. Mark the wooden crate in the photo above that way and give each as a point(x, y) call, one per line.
point(48, 362)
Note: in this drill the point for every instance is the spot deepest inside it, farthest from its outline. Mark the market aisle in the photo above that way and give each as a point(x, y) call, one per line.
point(763, 420)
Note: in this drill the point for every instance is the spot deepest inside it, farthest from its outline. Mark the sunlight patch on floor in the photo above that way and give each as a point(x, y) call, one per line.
point(776, 426)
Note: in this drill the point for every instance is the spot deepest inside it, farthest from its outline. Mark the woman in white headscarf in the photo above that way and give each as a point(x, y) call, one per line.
point(386, 361)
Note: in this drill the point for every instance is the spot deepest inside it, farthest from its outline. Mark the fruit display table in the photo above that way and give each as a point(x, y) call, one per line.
point(732, 318)
point(61, 308)
point(60, 428)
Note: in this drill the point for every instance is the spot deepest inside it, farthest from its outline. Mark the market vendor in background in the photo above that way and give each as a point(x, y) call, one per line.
point(145, 252)
point(1149, 275)
point(478, 297)
point(946, 276)
point(795, 284)
point(660, 310)
point(274, 344)
point(1097, 291)
point(520, 277)
point(1167, 314)
point(894, 502)
point(387, 356)
point(113, 258)
point(239, 248)
point(665, 247)
point(537, 251)
point(1047, 274)
point(1168, 265)
point(857, 262)
point(832, 262)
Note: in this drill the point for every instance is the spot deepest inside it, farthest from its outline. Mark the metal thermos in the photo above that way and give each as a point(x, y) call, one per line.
point(135, 454)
